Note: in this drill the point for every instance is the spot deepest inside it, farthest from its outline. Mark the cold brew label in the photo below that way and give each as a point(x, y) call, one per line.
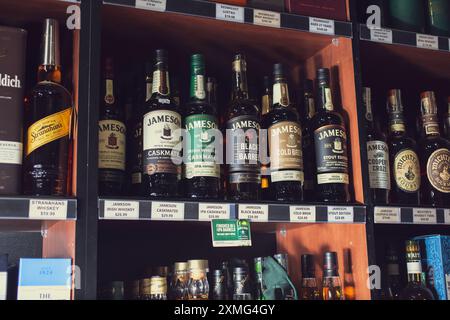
point(48, 129)
point(200, 147)
point(161, 142)
point(407, 171)
point(331, 154)
point(378, 161)
point(438, 170)
point(111, 144)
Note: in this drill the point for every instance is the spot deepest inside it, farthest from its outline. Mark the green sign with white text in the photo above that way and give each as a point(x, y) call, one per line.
point(231, 233)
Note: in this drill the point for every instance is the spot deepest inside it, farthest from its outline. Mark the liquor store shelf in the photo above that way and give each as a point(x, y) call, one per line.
point(399, 37)
point(127, 209)
point(238, 14)
point(411, 215)
point(38, 208)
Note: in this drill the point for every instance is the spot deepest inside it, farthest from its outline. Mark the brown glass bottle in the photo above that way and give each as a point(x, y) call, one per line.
point(112, 138)
point(266, 104)
point(242, 135)
point(330, 143)
point(434, 156)
point(392, 285)
point(377, 155)
point(48, 123)
point(404, 162)
point(285, 143)
point(447, 121)
point(309, 110)
point(331, 283)
point(161, 135)
point(309, 288)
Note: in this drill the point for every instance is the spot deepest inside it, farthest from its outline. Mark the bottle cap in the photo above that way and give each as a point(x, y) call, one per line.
point(198, 265)
point(428, 103)
point(161, 56)
point(330, 261)
point(323, 74)
point(197, 60)
point(50, 55)
point(278, 70)
point(395, 101)
point(180, 266)
point(308, 266)
point(217, 273)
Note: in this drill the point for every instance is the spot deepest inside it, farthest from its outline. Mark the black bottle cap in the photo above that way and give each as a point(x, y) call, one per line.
point(278, 70)
point(308, 267)
point(330, 261)
point(161, 55)
point(308, 85)
point(323, 74)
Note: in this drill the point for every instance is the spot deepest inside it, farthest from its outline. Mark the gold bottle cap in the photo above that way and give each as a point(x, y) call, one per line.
point(428, 103)
point(198, 265)
point(180, 267)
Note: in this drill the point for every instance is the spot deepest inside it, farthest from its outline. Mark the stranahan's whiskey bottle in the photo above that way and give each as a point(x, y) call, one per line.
point(434, 156)
point(404, 161)
point(48, 123)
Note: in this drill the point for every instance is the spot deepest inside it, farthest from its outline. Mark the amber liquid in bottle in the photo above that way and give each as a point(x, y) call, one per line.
point(331, 284)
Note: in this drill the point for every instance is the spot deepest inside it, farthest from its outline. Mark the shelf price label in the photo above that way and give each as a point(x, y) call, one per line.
point(387, 215)
point(424, 216)
point(302, 214)
point(229, 13)
point(324, 26)
point(167, 211)
point(266, 18)
point(426, 41)
point(154, 5)
point(254, 212)
point(447, 216)
point(211, 211)
point(43, 209)
point(121, 210)
point(340, 214)
point(381, 35)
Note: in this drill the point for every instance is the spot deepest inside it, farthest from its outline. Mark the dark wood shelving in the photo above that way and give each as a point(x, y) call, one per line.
point(38, 208)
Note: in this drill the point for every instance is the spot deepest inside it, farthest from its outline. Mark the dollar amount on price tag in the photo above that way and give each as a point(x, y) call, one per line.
point(229, 13)
point(424, 216)
point(255, 213)
point(302, 214)
point(427, 42)
point(381, 35)
point(340, 214)
point(387, 215)
point(155, 5)
point(211, 211)
point(121, 210)
point(48, 209)
point(324, 26)
point(266, 18)
point(167, 211)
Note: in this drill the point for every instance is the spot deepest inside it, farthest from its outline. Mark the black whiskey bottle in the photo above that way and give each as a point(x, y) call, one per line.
point(309, 110)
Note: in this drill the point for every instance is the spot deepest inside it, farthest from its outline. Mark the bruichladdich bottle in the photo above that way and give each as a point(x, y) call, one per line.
point(161, 135)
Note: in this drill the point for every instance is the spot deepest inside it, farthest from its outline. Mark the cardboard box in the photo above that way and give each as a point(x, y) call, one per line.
point(272, 5)
point(327, 9)
point(3, 276)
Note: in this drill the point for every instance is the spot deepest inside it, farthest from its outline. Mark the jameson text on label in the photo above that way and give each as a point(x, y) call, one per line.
point(157, 5)
point(302, 214)
point(340, 214)
point(111, 144)
point(266, 18)
point(229, 13)
point(427, 42)
point(424, 216)
point(167, 211)
point(255, 213)
point(378, 162)
point(48, 209)
point(321, 25)
point(387, 215)
point(381, 35)
point(211, 211)
point(121, 210)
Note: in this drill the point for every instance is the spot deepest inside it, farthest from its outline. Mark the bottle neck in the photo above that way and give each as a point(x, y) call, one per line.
point(197, 88)
point(310, 108)
point(160, 84)
point(280, 93)
point(430, 125)
point(49, 73)
point(148, 87)
point(325, 98)
point(396, 122)
point(240, 88)
point(368, 105)
point(211, 93)
point(266, 102)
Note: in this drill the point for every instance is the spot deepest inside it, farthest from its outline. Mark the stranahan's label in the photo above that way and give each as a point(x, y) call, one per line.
point(378, 161)
point(48, 129)
point(407, 170)
point(438, 170)
point(111, 144)
point(331, 154)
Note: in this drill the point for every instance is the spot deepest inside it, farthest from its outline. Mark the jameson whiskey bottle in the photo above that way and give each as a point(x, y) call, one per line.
point(243, 124)
point(404, 162)
point(161, 135)
point(415, 289)
point(309, 110)
point(393, 282)
point(377, 155)
point(111, 138)
point(266, 103)
point(201, 171)
point(330, 142)
point(48, 123)
point(285, 143)
point(434, 156)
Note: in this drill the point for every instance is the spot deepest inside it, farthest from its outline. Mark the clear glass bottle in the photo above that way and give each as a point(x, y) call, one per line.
point(198, 286)
point(178, 285)
point(331, 284)
point(309, 288)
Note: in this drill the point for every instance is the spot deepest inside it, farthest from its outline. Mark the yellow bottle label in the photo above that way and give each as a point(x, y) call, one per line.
point(48, 129)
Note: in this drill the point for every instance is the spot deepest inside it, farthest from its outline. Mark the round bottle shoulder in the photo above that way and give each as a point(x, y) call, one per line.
point(156, 104)
point(329, 117)
point(48, 88)
point(243, 108)
point(279, 114)
point(199, 108)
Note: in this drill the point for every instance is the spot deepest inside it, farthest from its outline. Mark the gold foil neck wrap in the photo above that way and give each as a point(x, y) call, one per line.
point(180, 267)
point(198, 265)
point(428, 103)
point(395, 101)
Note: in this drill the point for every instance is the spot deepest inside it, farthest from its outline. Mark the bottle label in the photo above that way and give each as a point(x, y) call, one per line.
point(281, 94)
point(11, 152)
point(160, 82)
point(198, 87)
point(243, 149)
point(200, 147)
point(109, 96)
point(407, 170)
point(378, 161)
point(430, 124)
point(158, 287)
point(161, 142)
point(285, 147)
point(111, 144)
point(48, 129)
point(328, 100)
point(438, 170)
point(287, 175)
point(331, 154)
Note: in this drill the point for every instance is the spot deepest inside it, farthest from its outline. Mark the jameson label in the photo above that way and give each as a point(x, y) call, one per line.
point(331, 154)
point(407, 171)
point(285, 146)
point(438, 170)
point(200, 158)
point(378, 161)
point(161, 142)
point(243, 149)
point(48, 129)
point(111, 144)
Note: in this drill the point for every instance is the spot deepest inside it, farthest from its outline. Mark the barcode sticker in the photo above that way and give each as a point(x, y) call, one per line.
point(381, 35)
point(167, 211)
point(302, 214)
point(229, 13)
point(324, 26)
point(426, 41)
point(254, 212)
point(48, 209)
point(387, 215)
point(155, 5)
point(266, 18)
point(424, 216)
point(213, 211)
point(340, 214)
point(121, 210)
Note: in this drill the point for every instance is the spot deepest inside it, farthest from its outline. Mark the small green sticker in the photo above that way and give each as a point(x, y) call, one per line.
point(231, 233)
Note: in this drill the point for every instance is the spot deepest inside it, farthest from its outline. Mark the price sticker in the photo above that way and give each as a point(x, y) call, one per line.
point(211, 211)
point(340, 214)
point(302, 214)
point(254, 212)
point(266, 18)
point(426, 41)
point(229, 13)
point(121, 210)
point(154, 5)
point(381, 35)
point(387, 215)
point(47, 209)
point(447, 216)
point(324, 26)
point(167, 211)
point(424, 216)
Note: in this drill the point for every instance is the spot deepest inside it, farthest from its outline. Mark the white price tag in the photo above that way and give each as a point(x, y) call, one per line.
point(266, 18)
point(121, 210)
point(324, 26)
point(447, 218)
point(387, 215)
point(48, 209)
point(424, 216)
point(167, 211)
point(212, 211)
point(426, 41)
point(155, 5)
point(302, 214)
point(229, 13)
point(381, 35)
point(340, 214)
point(254, 212)
point(3, 285)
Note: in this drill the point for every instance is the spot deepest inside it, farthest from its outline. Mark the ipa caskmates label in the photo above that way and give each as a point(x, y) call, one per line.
point(244, 148)
point(285, 148)
point(331, 154)
point(438, 170)
point(378, 160)
point(407, 170)
point(162, 136)
point(111, 144)
point(200, 151)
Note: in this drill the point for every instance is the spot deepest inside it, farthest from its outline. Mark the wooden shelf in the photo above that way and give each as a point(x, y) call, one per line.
point(411, 215)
